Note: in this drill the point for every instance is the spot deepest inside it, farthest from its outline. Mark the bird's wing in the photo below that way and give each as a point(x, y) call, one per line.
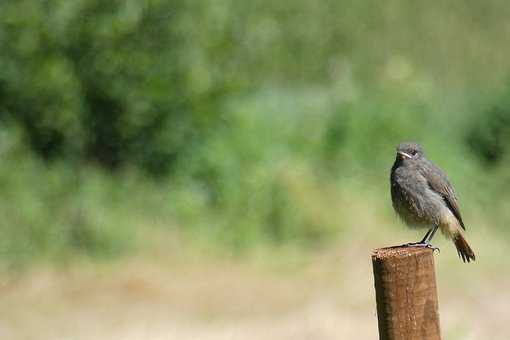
point(438, 182)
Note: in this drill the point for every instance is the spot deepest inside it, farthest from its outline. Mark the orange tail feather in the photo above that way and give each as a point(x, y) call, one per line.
point(463, 248)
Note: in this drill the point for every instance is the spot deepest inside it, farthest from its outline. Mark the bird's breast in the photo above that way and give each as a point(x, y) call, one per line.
point(412, 199)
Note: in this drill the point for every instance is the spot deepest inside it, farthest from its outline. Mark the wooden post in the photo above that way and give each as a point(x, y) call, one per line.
point(406, 294)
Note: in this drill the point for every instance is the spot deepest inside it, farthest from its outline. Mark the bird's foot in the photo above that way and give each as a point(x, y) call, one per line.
point(422, 245)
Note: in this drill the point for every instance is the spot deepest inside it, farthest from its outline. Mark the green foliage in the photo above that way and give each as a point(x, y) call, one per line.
point(137, 82)
point(259, 122)
point(489, 135)
point(57, 213)
point(252, 181)
point(109, 82)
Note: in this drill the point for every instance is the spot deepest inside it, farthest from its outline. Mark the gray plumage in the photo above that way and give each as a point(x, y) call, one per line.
point(423, 197)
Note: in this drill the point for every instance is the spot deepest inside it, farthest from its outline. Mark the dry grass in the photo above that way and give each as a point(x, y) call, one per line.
point(324, 296)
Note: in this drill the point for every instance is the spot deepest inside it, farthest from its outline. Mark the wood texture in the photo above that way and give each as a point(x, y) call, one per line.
point(406, 294)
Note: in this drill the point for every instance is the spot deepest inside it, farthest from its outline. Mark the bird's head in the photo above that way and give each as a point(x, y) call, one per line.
point(409, 150)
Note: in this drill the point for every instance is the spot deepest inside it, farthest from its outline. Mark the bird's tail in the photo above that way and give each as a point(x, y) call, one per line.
point(463, 248)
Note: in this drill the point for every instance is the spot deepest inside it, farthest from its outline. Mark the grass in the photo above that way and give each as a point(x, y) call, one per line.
point(290, 168)
point(168, 294)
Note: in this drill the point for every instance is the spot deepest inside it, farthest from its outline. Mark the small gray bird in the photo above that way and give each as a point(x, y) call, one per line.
point(423, 197)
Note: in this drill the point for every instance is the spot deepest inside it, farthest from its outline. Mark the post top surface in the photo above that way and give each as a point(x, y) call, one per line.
point(399, 251)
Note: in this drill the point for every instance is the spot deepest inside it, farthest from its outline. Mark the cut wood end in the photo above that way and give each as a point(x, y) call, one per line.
point(398, 251)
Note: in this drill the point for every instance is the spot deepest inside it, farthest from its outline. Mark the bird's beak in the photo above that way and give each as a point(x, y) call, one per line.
point(402, 155)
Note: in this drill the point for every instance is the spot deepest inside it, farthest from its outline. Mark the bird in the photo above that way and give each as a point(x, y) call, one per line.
point(423, 197)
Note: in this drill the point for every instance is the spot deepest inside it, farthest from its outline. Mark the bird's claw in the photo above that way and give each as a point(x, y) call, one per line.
point(423, 245)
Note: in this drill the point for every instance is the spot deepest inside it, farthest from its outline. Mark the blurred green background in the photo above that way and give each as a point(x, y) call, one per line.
point(236, 128)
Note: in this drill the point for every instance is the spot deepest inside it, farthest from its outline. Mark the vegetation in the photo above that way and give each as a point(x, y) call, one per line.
point(237, 123)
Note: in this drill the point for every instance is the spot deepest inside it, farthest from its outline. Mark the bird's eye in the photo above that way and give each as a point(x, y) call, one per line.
point(413, 152)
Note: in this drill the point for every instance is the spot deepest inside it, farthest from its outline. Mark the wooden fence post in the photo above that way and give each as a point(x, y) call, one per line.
point(406, 294)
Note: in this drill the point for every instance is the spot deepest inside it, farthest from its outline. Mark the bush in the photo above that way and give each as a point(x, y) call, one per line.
point(489, 134)
point(109, 82)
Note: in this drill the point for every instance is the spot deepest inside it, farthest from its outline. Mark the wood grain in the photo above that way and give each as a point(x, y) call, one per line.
point(406, 293)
